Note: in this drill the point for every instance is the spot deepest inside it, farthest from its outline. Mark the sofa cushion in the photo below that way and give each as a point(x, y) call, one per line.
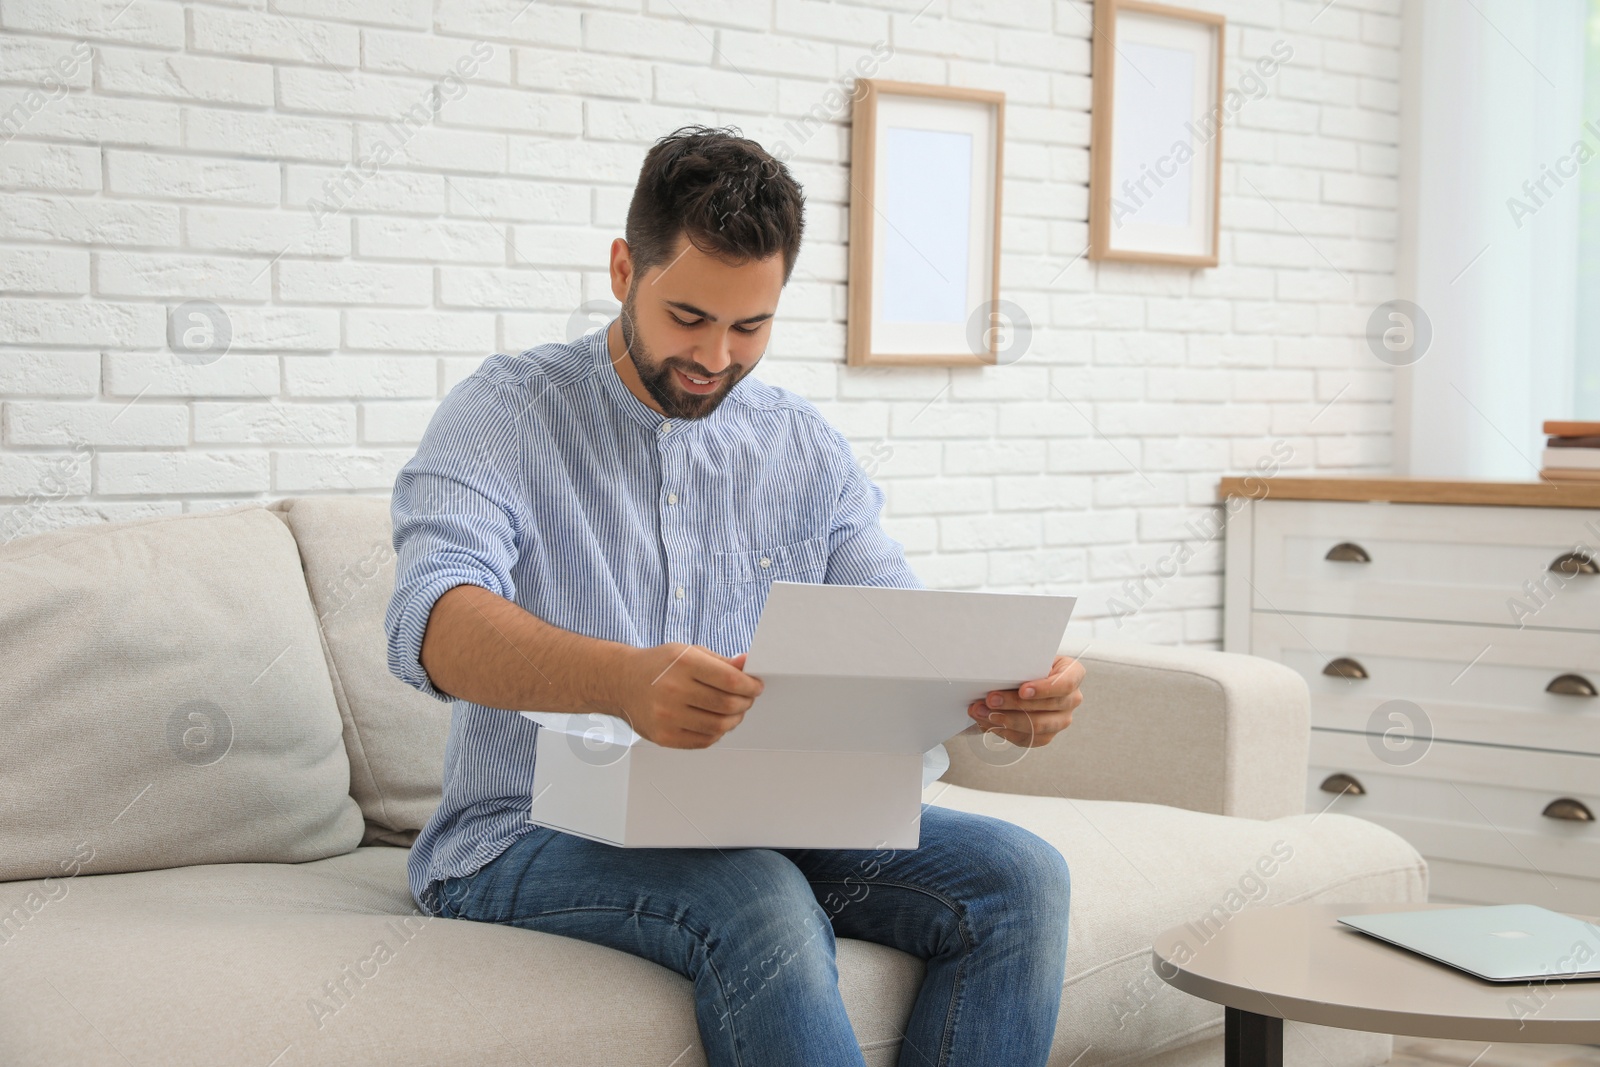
point(1138, 869)
point(165, 700)
point(331, 962)
point(394, 734)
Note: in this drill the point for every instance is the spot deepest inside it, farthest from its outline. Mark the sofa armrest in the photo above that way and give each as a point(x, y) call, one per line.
point(1194, 728)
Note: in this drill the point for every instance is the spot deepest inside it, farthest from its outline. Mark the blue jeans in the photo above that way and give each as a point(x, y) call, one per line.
point(983, 901)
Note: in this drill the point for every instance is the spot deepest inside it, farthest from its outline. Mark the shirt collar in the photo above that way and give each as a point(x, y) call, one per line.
point(632, 406)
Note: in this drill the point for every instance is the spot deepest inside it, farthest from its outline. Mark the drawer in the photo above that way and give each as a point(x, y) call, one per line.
point(1426, 561)
point(1473, 804)
point(1485, 684)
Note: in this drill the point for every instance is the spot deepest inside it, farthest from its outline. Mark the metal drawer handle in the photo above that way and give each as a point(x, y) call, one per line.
point(1569, 809)
point(1344, 667)
point(1572, 685)
point(1344, 783)
point(1350, 552)
point(1574, 563)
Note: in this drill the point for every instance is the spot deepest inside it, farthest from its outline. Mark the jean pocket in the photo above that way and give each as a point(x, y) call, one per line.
point(451, 896)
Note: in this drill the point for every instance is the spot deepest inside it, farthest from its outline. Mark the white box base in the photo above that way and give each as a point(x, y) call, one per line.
point(645, 795)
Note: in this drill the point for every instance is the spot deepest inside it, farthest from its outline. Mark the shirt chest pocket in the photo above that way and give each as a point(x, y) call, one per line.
point(741, 579)
point(798, 561)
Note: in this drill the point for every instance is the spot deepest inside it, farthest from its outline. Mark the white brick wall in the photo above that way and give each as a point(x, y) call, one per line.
point(159, 152)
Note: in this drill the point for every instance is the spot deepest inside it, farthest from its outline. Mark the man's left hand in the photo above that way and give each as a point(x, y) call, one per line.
point(1033, 713)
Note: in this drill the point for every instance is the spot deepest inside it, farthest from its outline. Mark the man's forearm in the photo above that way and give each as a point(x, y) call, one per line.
point(482, 648)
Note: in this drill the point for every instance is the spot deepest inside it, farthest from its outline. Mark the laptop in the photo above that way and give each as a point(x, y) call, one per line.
point(1498, 942)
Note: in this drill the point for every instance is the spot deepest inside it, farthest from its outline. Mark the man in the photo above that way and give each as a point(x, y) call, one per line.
point(593, 528)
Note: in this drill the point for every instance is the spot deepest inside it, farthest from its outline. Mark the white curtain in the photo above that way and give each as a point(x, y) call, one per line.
point(1494, 94)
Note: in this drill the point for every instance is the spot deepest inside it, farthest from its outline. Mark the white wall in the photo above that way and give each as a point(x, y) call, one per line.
point(187, 159)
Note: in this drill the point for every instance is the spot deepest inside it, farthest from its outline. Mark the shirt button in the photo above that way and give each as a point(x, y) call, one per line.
point(672, 498)
point(765, 562)
point(680, 592)
point(666, 427)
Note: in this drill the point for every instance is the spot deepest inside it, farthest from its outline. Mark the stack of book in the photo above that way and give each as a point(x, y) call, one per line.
point(1572, 451)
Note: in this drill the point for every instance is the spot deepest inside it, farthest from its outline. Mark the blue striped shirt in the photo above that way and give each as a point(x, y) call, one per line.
point(543, 479)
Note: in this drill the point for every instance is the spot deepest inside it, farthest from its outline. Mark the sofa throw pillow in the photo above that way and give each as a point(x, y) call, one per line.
point(394, 734)
point(165, 700)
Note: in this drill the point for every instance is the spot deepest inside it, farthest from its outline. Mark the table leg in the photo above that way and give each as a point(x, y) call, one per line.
point(1252, 1040)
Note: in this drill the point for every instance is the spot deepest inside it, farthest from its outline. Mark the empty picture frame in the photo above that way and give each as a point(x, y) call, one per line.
point(1155, 175)
point(925, 166)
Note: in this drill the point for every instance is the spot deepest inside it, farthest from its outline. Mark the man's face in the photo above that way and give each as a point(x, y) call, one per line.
point(692, 316)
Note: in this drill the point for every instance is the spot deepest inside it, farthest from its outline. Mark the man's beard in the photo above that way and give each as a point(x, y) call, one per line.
point(660, 378)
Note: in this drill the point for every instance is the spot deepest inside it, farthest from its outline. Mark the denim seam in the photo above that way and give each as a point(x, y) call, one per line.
point(704, 939)
point(966, 939)
point(956, 997)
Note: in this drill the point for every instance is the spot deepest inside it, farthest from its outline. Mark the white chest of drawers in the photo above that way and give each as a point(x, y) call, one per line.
point(1450, 636)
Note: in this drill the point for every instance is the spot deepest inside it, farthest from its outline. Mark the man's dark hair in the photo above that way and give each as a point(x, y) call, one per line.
point(732, 199)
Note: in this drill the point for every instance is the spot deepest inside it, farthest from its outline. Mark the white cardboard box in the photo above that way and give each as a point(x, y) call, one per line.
point(859, 681)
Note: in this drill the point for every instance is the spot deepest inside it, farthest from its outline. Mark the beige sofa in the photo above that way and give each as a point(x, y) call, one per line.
point(210, 781)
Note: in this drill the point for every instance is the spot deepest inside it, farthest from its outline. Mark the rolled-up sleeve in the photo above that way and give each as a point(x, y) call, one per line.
point(859, 551)
point(458, 510)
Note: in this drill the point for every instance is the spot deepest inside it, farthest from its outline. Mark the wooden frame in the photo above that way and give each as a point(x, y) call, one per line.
point(874, 341)
point(1144, 244)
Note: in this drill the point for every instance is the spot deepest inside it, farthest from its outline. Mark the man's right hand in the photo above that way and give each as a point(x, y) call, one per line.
point(685, 696)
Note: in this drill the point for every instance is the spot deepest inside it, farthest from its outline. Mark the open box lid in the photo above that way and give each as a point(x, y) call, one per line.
point(874, 669)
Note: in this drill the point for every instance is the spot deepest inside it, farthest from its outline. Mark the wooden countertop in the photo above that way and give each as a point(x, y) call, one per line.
point(1401, 490)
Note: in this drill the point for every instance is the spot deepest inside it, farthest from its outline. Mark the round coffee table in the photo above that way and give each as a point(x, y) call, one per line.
point(1265, 965)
